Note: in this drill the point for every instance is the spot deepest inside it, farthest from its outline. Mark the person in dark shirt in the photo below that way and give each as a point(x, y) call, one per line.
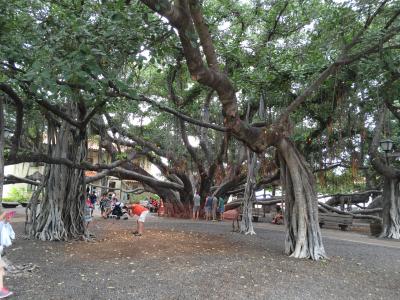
point(208, 207)
point(93, 200)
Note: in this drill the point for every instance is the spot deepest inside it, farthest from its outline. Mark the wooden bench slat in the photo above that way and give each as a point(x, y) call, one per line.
point(343, 221)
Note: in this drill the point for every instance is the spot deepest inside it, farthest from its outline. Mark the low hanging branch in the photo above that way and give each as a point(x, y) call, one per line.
point(40, 157)
point(353, 214)
point(135, 138)
point(359, 197)
point(136, 191)
point(262, 182)
point(11, 179)
point(112, 167)
point(149, 180)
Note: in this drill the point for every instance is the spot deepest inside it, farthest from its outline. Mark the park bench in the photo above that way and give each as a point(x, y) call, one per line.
point(257, 213)
point(333, 219)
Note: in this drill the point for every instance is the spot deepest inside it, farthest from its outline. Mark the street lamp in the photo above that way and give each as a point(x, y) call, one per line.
point(386, 146)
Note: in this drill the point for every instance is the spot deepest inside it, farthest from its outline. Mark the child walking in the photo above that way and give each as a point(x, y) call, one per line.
point(6, 235)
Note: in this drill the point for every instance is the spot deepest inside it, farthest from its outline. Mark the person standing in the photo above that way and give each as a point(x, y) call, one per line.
point(87, 215)
point(93, 200)
point(107, 206)
point(103, 201)
point(141, 212)
point(196, 206)
point(4, 292)
point(214, 208)
point(221, 208)
point(208, 207)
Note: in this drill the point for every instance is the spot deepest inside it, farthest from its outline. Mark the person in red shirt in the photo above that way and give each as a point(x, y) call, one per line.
point(141, 212)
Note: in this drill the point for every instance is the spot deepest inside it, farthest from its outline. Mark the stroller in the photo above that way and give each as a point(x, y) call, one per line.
point(119, 211)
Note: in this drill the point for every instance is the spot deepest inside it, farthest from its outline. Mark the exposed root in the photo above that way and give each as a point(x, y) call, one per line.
point(303, 235)
point(391, 209)
point(61, 210)
point(246, 225)
point(250, 232)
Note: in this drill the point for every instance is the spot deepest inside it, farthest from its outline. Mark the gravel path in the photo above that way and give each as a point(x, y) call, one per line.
point(182, 259)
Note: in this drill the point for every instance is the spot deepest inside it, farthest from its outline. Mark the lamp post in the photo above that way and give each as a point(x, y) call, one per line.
point(386, 146)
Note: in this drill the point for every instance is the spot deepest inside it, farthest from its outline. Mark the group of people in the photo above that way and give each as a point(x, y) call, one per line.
point(213, 206)
point(109, 204)
point(107, 201)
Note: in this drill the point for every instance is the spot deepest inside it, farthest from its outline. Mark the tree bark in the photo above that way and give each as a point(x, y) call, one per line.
point(391, 209)
point(61, 210)
point(303, 235)
point(354, 198)
point(246, 225)
point(391, 194)
point(2, 125)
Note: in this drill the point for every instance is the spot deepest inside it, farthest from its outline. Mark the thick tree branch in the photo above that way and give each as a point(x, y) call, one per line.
point(136, 139)
point(19, 106)
point(204, 34)
point(11, 179)
point(190, 149)
point(98, 176)
point(169, 110)
point(307, 92)
point(55, 110)
point(205, 117)
point(346, 60)
point(356, 39)
point(40, 157)
point(272, 32)
point(355, 216)
point(343, 60)
point(148, 180)
point(376, 160)
point(164, 7)
point(93, 112)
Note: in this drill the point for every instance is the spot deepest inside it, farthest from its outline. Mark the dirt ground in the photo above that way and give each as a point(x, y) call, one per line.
point(183, 259)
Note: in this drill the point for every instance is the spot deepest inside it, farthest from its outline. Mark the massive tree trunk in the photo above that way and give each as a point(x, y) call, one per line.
point(61, 210)
point(391, 209)
point(188, 19)
point(104, 180)
point(246, 225)
point(2, 125)
point(303, 236)
point(390, 197)
point(187, 194)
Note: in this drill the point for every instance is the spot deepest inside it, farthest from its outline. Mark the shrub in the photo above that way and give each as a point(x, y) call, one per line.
point(9, 199)
point(135, 199)
point(18, 194)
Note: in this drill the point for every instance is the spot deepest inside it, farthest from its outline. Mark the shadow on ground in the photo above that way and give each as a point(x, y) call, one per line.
point(181, 259)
